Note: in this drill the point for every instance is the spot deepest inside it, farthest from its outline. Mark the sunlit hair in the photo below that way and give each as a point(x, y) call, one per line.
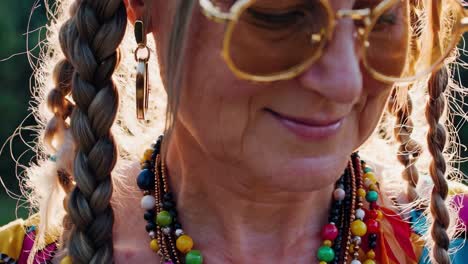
point(45, 189)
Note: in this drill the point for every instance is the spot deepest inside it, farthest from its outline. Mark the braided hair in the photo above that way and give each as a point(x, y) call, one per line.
point(89, 41)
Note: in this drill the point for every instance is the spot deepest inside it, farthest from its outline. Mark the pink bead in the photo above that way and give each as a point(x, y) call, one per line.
point(339, 194)
point(169, 262)
point(329, 232)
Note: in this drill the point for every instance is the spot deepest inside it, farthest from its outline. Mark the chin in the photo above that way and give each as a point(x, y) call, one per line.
point(299, 174)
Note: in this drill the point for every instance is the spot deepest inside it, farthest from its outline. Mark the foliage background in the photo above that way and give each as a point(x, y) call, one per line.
point(17, 18)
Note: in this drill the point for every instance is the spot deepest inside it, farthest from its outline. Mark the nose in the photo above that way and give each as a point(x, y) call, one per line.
point(336, 75)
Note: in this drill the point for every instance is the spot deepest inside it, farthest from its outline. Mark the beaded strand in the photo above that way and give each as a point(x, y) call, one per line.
point(164, 230)
point(330, 232)
point(357, 182)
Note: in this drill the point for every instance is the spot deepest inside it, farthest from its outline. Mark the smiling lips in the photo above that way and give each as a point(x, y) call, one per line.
point(308, 129)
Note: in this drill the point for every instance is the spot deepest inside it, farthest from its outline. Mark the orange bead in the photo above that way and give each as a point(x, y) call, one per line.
point(184, 243)
point(371, 254)
point(379, 215)
point(147, 155)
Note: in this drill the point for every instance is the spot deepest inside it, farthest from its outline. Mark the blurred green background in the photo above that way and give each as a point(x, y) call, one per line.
point(21, 30)
point(17, 18)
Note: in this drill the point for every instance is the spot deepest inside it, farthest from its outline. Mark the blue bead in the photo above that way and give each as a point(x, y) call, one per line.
point(145, 180)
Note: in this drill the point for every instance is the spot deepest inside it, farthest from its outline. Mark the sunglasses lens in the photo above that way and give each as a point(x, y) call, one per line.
point(404, 42)
point(273, 37)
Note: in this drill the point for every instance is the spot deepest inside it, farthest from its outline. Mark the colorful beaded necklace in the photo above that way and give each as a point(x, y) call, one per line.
point(349, 223)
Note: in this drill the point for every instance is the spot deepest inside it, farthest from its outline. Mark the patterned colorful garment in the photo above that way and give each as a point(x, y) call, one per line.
point(399, 241)
point(17, 240)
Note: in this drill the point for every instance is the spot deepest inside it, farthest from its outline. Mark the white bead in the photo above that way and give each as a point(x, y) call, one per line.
point(355, 261)
point(152, 235)
point(148, 202)
point(179, 232)
point(166, 230)
point(357, 240)
point(339, 194)
point(360, 214)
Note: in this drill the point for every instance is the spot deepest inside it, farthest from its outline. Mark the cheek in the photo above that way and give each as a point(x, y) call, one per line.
point(215, 106)
point(377, 95)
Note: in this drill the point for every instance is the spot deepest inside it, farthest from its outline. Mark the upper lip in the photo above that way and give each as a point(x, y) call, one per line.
point(307, 121)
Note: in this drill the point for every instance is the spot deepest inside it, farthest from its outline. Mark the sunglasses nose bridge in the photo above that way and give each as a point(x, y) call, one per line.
point(354, 14)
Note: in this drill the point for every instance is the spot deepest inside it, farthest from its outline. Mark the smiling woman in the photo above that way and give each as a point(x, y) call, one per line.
point(259, 158)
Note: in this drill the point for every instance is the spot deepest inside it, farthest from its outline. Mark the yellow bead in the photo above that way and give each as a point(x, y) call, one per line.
point(322, 262)
point(66, 260)
point(327, 243)
point(371, 254)
point(373, 187)
point(184, 243)
point(369, 261)
point(147, 155)
point(371, 176)
point(154, 245)
point(358, 228)
point(361, 192)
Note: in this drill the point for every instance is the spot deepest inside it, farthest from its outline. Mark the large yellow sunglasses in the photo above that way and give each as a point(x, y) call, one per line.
point(272, 40)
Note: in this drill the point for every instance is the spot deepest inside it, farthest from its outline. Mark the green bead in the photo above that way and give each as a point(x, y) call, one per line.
point(164, 219)
point(325, 253)
point(367, 169)
point(372, 196)
point(194, 257)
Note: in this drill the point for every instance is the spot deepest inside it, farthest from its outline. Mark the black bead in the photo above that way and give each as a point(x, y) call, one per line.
point(168, 205)
point(149, 215)
point(173, 213)
point(373, 237)
point(177, 226)
point(145, 180)
point(168, 196)
point(373, 244)
point(150, 226)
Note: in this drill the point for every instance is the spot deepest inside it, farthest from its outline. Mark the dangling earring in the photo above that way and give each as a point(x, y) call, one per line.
point(142, 55)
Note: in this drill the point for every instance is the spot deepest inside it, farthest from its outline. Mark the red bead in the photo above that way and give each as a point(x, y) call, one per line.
point(373, 205)
point(372, 226)
point(329, 232)
point(372, 214)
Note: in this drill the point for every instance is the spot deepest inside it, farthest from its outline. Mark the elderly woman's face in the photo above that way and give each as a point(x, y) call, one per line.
point(294, 134)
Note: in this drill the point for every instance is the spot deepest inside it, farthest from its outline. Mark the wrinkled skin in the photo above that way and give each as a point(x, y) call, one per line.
point(245, 185)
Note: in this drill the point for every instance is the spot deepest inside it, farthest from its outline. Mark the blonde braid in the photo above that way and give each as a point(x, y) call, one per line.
point(409, 150)
point(56, 127)
point(58, 103)
point(89, 40)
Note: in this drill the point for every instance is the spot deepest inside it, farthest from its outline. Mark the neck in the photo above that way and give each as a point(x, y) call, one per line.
point(234, 221)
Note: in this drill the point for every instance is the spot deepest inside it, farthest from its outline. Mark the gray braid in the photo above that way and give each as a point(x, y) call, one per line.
point(89, 40)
